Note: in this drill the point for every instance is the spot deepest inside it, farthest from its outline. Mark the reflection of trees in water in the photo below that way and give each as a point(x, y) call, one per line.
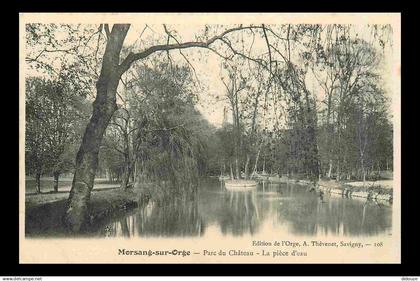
point(121, 227)
point(308, 215)
point(267, 187)
point(178, 218)
point(241, 214)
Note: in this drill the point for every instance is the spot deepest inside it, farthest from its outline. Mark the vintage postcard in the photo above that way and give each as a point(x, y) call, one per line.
point(210, 138)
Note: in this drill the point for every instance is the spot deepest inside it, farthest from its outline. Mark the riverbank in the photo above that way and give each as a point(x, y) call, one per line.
point(44, 212)
point(371, 190)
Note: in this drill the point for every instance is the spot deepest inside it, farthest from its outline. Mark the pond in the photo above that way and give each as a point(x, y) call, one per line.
point(279, 208)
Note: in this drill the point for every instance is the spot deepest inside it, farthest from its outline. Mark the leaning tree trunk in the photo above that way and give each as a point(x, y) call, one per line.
point(126, 175)
point(125, 179)
point(104, 107)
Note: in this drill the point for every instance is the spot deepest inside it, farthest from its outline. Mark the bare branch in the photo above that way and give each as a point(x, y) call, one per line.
point(132, 57)
point(268, 45)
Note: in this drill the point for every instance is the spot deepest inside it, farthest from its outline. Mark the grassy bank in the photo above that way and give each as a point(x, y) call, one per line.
point(44, 216)
point(64, 184)
point(44, 212)
point(381, 187)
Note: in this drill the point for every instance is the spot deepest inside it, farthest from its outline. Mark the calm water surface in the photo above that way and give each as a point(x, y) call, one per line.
point(278, 208)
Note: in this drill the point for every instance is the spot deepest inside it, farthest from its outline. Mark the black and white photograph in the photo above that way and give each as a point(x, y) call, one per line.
point(202, 138)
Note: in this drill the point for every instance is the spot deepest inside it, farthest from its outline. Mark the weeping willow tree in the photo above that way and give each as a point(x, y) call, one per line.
point(168, 145)
point(169, 161)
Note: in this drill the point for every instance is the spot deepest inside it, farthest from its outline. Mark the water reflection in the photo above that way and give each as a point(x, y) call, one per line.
point(180, 218)
point(282, 208)
point(241, 213)
point(333, 215)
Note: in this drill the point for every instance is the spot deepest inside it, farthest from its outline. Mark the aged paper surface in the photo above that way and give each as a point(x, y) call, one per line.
point(274, 240)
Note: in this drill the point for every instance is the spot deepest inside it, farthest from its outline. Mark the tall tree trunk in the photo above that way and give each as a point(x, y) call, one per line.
point(104, 107)
point(125, 179)
point(313, 152)
point(132, 178)
point(330, 135)
point(246, 167)
point(126, 175)
point(263, 166)
point(311, 145)
point(56, 176)
point(231, 172)
point(338, 171)
point(109, 175)
point(362, 162)
point(38, 182)
point(256, 161)
point(330, 168)
point(238, 175)
point(127, 161)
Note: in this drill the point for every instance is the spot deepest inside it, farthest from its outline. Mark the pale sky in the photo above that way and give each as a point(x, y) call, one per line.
point(207, 64)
